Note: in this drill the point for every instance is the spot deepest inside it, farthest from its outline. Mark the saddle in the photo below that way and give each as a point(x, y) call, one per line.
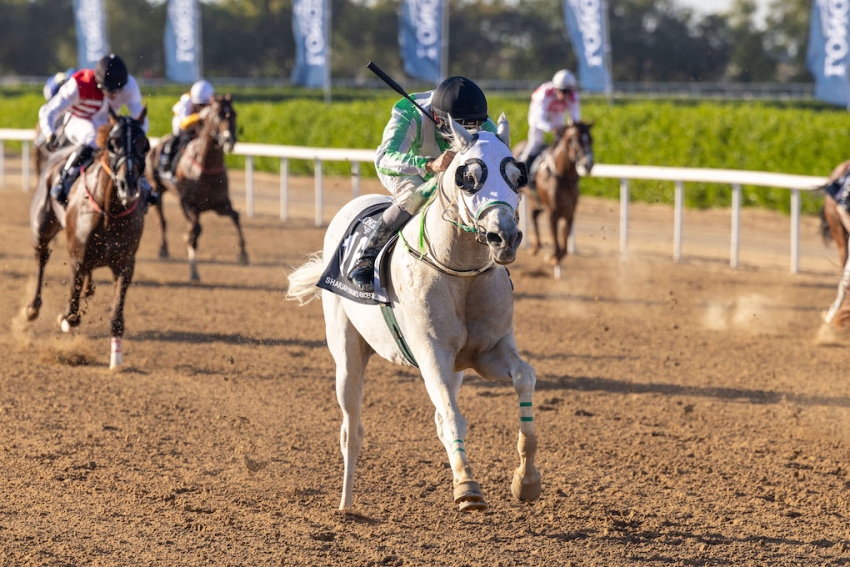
point(839, 190)
point(335, 279)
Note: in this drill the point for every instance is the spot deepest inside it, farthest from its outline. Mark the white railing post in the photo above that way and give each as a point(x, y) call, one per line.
point(735, 239)
point(355, 179)
point(624, 217)
point(795, 231)
point(319, 194)
point(249, 186)
point(678, 221)
point(284, 189)
point(25, 166)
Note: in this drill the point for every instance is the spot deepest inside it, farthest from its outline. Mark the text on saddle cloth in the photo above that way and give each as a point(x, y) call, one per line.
point(335, 277)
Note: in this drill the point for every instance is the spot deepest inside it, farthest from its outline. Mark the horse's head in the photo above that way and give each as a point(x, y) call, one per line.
point(127, 145)
point(222, 120)
point(578, 143)
point(487, 179)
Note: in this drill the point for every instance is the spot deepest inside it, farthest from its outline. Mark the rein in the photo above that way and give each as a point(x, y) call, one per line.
point(105, 166)
point(426, 256)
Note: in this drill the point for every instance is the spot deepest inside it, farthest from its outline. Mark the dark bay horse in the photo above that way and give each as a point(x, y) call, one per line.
point(103, 222)
point(557, 179)
point(837, 219)
point(201, 180)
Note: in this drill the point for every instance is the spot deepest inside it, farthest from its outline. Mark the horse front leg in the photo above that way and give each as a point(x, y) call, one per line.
point(535, 223)
point(243, 254)
point(163, 245)
point(843, 288)
point(443, 385)
point(501, 363)
point(192, 241)
point(122, 277)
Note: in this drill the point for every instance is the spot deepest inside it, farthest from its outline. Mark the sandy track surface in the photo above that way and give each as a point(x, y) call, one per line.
point(687, 413)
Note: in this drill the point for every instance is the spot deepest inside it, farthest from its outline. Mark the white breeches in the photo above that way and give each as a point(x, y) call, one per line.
point(175, 125)
point(536, 141)
point(401, 187)
point(80, 131)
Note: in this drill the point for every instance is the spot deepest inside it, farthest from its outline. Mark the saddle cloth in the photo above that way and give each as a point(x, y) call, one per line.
point(840, 190)
point(335, 277)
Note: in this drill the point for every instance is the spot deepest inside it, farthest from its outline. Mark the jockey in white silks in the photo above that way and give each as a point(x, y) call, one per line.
point(413, 150)
point(184, 122)
point(54, 83)
point(85, 99)
point(550, 103)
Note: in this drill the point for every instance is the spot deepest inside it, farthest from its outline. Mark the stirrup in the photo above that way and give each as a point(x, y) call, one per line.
point(58, 192)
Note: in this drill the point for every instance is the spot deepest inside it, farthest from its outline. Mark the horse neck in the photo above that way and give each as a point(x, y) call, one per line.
point(210, 153)
point(564, 162)
point(449, 244)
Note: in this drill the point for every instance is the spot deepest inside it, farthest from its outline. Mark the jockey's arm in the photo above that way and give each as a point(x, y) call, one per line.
point(64, 98)
point(398, 153)
point(133, 100)
point(538, 116)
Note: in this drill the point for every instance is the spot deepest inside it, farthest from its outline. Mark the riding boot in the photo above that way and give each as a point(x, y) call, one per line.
point(361, 274)
point(166, 158)
point(533, 165)
point(79, 157)
point(149, 195)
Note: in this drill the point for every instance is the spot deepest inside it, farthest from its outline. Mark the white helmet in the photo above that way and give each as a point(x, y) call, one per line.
point(202, 93)
point(564, 80)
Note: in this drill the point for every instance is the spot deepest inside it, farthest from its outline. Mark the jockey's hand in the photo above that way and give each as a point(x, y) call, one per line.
point(52, 143)
point(441, 162)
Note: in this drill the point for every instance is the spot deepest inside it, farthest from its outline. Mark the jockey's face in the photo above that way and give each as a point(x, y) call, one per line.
point(563, 94)
point(111, 94)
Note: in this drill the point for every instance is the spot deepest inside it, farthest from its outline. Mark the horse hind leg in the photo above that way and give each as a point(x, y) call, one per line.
point(42, 254)
point(243, 254)
point(122, 278)
point(350, 353)
point(163, 245)
point(71, 317)
point(843, 288)
point(192, 241)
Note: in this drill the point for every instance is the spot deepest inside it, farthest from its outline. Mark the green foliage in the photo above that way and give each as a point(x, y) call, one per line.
point(803, 139)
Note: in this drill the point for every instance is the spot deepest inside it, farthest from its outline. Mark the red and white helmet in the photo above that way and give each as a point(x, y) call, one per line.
point(564, 80)
point(202, 92)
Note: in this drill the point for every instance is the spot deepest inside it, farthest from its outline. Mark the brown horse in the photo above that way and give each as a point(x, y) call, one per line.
point(837, 221)
point(103, 222)
point(557, 178)
point(201, 180)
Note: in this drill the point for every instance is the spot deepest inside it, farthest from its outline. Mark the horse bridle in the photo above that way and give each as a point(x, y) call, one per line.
point(223, 116)
point(133, 148)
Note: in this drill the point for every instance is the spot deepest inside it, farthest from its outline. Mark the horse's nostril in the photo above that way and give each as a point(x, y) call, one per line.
point(494, 239)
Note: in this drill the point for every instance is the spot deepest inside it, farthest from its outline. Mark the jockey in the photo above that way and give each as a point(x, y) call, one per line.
point(550, 102)
point(87, 97)
point(413, 150)
point(184, 122)
point(56, 81)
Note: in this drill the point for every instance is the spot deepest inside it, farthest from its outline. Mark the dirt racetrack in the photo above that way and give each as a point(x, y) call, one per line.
point(687, 413)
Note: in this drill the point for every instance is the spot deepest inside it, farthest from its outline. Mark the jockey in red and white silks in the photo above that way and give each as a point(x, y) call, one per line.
point(87, 107)
point(550, 103)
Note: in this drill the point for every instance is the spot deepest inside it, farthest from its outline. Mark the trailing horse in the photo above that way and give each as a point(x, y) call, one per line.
point(103, 222)
point(449, 302)
point(557, 180)
point(837, 220)
point(201, 179)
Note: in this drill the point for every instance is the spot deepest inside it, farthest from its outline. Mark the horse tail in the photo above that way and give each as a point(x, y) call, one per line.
point(302, 282)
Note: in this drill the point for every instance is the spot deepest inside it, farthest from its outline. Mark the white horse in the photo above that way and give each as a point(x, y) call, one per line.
point(453, 303)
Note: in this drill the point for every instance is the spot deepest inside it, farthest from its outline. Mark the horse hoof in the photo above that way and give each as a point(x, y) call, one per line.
point(525, 492)
point(31, 312)
point(163, 254)
point(65, 326)
point(243, 258)
point(470, 506)
point(468, 496)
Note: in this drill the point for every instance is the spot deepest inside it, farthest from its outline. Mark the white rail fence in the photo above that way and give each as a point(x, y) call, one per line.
point(625, 173)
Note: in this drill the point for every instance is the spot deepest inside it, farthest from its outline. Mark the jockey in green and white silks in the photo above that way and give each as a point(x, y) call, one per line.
point(413, 150)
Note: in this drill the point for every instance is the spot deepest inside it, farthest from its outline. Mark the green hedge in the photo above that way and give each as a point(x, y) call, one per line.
point(799, 138)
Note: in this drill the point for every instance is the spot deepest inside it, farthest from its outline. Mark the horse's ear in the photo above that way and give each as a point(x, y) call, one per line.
point(503, 130)
point(113, 116)
point(227, 97)
point(462, 137)
point(142, 114)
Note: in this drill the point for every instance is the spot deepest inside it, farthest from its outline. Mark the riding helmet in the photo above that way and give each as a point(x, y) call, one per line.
point(564, 80)
point(110, 73)
point(461, 98)
point(201, 92)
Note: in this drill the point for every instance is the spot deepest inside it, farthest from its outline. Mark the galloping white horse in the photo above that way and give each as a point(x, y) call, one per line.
point(453, 303)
